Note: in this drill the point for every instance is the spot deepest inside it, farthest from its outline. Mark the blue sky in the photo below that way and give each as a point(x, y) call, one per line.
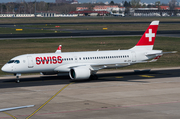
point(116, 1)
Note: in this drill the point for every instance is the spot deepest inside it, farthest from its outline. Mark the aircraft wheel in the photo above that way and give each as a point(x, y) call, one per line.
point(17, 80)
point(94, 77)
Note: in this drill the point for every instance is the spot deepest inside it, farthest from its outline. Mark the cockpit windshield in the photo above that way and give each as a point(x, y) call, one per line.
point(17, 61)
point(14, 61)
point(11, 61)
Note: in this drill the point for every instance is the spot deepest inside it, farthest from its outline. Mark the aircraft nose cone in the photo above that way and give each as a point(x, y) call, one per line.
point(5, 68)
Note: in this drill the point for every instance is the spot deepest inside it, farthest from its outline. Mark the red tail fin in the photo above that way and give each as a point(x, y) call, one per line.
point(148, 38)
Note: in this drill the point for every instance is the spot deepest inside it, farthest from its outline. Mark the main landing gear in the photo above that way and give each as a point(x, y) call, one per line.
point(17, 78)
point(94, 77)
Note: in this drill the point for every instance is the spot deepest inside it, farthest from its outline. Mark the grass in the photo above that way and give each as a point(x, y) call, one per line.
point(114, 27)
point(12, 48)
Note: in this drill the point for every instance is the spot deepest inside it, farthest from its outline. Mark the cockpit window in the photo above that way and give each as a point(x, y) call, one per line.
point(14, 61)
point(11, 61)
point(17, 61)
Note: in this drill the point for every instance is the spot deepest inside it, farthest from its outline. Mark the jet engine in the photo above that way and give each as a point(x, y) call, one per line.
point(80, 73)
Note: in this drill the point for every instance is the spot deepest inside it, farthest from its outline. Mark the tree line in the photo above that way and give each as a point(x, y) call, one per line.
point(24, 7)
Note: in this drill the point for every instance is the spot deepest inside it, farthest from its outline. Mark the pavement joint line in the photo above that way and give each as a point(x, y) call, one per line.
point(10, 115)
point(48, 100)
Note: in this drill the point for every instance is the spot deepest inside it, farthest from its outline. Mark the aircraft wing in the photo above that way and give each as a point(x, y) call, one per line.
point(102, 66)
point(91, 66)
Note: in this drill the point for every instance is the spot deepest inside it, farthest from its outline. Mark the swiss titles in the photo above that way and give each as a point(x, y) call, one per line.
point(49, 60)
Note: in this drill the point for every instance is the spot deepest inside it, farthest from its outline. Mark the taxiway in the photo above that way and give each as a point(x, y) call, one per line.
point(116, 94)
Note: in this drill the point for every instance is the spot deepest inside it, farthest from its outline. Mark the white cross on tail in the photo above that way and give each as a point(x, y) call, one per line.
point(150, 35)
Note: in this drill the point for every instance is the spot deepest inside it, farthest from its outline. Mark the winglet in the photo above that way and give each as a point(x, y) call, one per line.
point(59, 49)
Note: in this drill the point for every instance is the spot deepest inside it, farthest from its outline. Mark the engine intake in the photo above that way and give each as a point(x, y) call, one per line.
point(80, 73)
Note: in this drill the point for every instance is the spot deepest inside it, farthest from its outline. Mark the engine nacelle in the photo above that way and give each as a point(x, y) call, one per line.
point(80, 73)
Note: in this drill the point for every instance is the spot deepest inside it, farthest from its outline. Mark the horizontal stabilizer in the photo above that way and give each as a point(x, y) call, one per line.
point(157, 54)
point(169, 52)
point(155, 59)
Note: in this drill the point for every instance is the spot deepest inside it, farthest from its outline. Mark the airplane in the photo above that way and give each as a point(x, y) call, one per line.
point(84, 65)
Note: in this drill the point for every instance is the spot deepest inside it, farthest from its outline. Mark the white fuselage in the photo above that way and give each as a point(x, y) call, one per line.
point(63, 62)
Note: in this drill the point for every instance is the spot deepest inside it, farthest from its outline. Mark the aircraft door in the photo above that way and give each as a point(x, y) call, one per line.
point(76, 59)
point(133, 56)
point(30, 62)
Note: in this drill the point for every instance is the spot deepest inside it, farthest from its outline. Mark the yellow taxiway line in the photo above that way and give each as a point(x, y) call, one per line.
point(147, 76)
point(48, 101)
point(10, 115)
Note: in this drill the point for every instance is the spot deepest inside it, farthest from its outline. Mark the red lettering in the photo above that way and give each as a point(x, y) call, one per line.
point(47, 60)
point(54, 60)
point(42, 60)
point(38, 61)
point(50, 60)
point(59, 59)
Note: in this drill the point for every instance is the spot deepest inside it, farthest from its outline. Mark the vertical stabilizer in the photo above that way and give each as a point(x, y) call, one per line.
point(147, 40)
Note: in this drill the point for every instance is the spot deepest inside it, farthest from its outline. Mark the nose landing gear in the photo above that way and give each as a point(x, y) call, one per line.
point(17, 78)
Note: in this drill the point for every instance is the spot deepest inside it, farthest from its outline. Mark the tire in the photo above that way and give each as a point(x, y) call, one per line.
point(94, 77)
